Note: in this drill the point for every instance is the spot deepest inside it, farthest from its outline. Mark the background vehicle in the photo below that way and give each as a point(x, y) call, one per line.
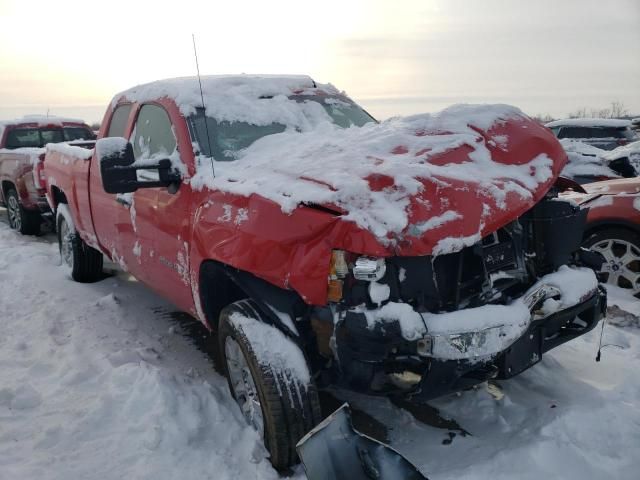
point(22, 144)
point(325, 248)
point(613, 229)
point(604, 133)
point(588, 164)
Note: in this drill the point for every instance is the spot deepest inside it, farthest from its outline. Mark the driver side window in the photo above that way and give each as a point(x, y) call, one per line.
point(153, 139)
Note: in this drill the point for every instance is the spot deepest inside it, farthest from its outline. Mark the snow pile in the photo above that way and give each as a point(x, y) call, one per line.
point(328, 165)
point(410, 321)
point(93, 385)
point(70, 150)
point(585, 161)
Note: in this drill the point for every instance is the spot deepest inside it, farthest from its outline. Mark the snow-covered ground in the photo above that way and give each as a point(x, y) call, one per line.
point(98, 382)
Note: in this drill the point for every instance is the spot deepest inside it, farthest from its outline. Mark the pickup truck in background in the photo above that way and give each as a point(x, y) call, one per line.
point(22, 144)
point(413, 257)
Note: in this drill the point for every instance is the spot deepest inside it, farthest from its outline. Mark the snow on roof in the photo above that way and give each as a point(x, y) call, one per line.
point(327, 165)
point(589, 122)
point(41, 120)
point(258, 99)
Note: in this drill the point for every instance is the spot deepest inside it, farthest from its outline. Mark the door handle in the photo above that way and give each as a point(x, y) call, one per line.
point(123, 201)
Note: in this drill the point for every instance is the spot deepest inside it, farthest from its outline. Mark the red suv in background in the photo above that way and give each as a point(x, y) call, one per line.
point(613, 229)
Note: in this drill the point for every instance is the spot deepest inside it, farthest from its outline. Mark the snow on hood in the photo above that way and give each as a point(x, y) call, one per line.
point(472, 167)
point(585, 160)
point(630, 151)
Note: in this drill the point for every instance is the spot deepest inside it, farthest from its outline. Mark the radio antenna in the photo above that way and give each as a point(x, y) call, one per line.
point(204, 112)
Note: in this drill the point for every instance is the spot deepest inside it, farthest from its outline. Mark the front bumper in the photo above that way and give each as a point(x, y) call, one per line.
point(445, 376)
point(378, 362)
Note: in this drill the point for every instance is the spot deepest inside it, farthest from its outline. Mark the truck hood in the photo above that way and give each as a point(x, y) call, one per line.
point(426, 184)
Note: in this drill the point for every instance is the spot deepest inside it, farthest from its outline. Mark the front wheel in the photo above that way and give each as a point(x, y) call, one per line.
point(269, 378)
point(24, 221)
point(83, 262)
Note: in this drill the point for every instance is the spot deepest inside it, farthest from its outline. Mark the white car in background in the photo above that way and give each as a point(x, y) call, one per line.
point(604, 133)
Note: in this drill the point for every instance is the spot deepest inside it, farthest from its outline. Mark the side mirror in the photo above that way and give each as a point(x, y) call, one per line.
point(119, 171)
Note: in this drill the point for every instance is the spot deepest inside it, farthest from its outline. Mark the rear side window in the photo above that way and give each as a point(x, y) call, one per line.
point(77, 133)
point(592, 132)
point(153, 135)
point(32, 137)
point(119, 120)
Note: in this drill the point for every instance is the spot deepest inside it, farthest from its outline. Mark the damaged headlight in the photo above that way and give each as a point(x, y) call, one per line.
point(369, 269)
point(466, 345)
point(362, 268)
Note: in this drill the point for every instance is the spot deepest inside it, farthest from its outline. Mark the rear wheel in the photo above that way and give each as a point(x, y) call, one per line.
point(269, 378)
point(621, 251)
point(83, 262)
point(24, 221)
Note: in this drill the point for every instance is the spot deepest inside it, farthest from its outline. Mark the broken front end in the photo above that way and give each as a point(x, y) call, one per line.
point(425, 326)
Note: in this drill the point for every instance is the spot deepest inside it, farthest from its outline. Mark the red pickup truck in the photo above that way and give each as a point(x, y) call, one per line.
point(412, 257)
point(21, 152)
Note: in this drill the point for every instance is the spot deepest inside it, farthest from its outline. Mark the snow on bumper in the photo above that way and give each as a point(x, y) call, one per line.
point(482, 332)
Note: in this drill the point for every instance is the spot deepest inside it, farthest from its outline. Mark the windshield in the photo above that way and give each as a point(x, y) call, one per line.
point(342, 111)
point(593, 132)
point(33, 137)
point(226, 138)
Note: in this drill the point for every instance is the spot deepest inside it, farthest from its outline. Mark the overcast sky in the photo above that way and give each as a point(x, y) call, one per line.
point(394, 57)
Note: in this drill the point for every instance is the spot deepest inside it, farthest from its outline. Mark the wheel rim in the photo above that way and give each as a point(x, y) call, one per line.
point(66, 252)
point(13, 209)
point(622, 263)
point(243, 386)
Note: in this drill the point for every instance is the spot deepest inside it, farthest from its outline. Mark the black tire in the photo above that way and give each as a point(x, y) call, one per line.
point(24, 221)
point(623, 242)
point(84, 262)
point(289, 408)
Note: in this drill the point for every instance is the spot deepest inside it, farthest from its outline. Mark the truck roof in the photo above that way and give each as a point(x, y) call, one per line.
point(224, 95)
point(41, 120)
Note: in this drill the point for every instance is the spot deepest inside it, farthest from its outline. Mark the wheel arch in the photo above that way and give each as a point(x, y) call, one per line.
point(57, 197)
point(615, 223)
point(6, 186)
point(220, 285)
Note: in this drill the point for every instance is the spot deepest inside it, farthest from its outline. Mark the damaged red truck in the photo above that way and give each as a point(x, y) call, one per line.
point(412, 257)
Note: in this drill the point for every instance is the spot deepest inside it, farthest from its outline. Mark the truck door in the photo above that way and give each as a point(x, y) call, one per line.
point(157, 250)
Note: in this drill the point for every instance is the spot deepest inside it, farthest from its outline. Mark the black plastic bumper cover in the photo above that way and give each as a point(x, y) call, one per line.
point(542, 335)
